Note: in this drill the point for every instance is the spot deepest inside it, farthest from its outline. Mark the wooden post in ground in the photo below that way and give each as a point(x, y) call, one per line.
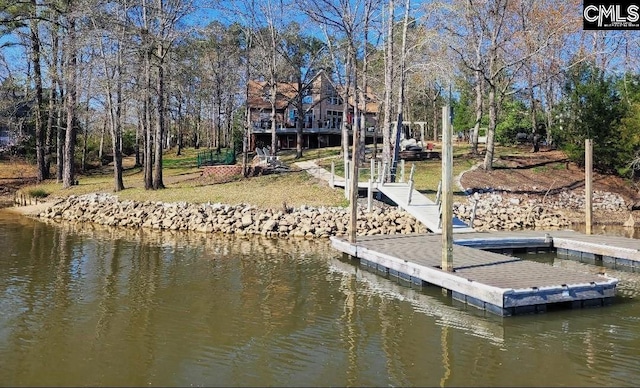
point(333, 175)
point(447, 192)
point(347, 171)
point(370, 195)
point(588, 180)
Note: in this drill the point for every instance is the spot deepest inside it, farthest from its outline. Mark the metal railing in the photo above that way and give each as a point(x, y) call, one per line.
point(216, 157)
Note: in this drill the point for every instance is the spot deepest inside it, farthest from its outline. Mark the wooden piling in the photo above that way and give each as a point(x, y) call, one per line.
point(447, 192)
point(588, 181)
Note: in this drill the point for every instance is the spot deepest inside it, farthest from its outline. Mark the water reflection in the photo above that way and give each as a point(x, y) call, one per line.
point(610, 230)
point(88, 305)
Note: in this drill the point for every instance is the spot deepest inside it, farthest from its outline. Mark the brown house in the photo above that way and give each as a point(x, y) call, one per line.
point(323, 114)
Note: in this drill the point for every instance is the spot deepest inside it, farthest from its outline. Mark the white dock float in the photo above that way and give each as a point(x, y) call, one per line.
point(500, 284)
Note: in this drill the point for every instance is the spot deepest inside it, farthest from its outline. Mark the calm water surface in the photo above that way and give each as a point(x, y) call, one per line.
point(82, 305)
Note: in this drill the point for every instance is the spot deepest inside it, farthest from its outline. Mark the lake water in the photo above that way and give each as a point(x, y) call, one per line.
point(86, 305)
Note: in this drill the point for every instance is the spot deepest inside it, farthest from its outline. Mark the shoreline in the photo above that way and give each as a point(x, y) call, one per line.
point(496, 213)
point(29, 210)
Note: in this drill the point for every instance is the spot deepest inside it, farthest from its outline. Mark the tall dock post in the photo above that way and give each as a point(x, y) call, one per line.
point(588, 180)
point(447, 191)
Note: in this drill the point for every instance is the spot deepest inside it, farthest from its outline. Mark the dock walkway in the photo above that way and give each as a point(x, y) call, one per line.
point(494, 282)
point(421, 207)
point(402, 193)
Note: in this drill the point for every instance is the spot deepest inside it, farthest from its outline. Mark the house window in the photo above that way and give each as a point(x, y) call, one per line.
point(335, 100)
point(334, 119)
point(308, 119)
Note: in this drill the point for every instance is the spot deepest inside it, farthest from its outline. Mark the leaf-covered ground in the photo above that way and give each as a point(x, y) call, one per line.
point(545, 173)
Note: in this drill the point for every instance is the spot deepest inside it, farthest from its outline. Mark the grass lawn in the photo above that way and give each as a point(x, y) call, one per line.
point(183, 182)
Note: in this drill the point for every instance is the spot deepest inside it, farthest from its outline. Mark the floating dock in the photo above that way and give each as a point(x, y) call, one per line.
point(495, 282)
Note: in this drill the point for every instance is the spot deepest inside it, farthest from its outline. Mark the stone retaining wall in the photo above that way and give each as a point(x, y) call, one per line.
point(493, 212)
point(505, 211)
point(240, 219)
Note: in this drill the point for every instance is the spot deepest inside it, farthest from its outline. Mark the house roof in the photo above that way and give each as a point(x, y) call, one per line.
point(286, 92)
point(259, 94)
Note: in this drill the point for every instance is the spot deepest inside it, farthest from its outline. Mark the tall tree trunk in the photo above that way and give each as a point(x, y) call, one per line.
point(53, 98)
point(85, 141)
point(60, 136)
point(43, 173)
point(197, 131)
point(493, 115)
point(68, 175)
point(179, 125)
point(354, 174)
point(479, 91)
point(139, 131)
point(274, 91)
point(247, 129)
point(493, 104)
point(49, 131)
point(148, 137)
point(116, 133)
point(388, 87)
point(136, 146)
point(345, 112)
point(103, 130)
point(400, 124)
point(362, 117)
point(114, 109)
point(218, 120)
point(299, 120)
point(228, 123)
point(160, 123)
point(85, 133)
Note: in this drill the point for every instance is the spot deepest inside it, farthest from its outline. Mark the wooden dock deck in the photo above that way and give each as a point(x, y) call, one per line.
point(491, 281)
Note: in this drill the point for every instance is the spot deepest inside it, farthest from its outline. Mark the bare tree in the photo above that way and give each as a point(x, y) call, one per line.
point(112, 66)
point(305, 56)
point(388, 85)
point(401, 91)
point(496, 35)
point(68, 172)
point(265, 21)
point(348, 20)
